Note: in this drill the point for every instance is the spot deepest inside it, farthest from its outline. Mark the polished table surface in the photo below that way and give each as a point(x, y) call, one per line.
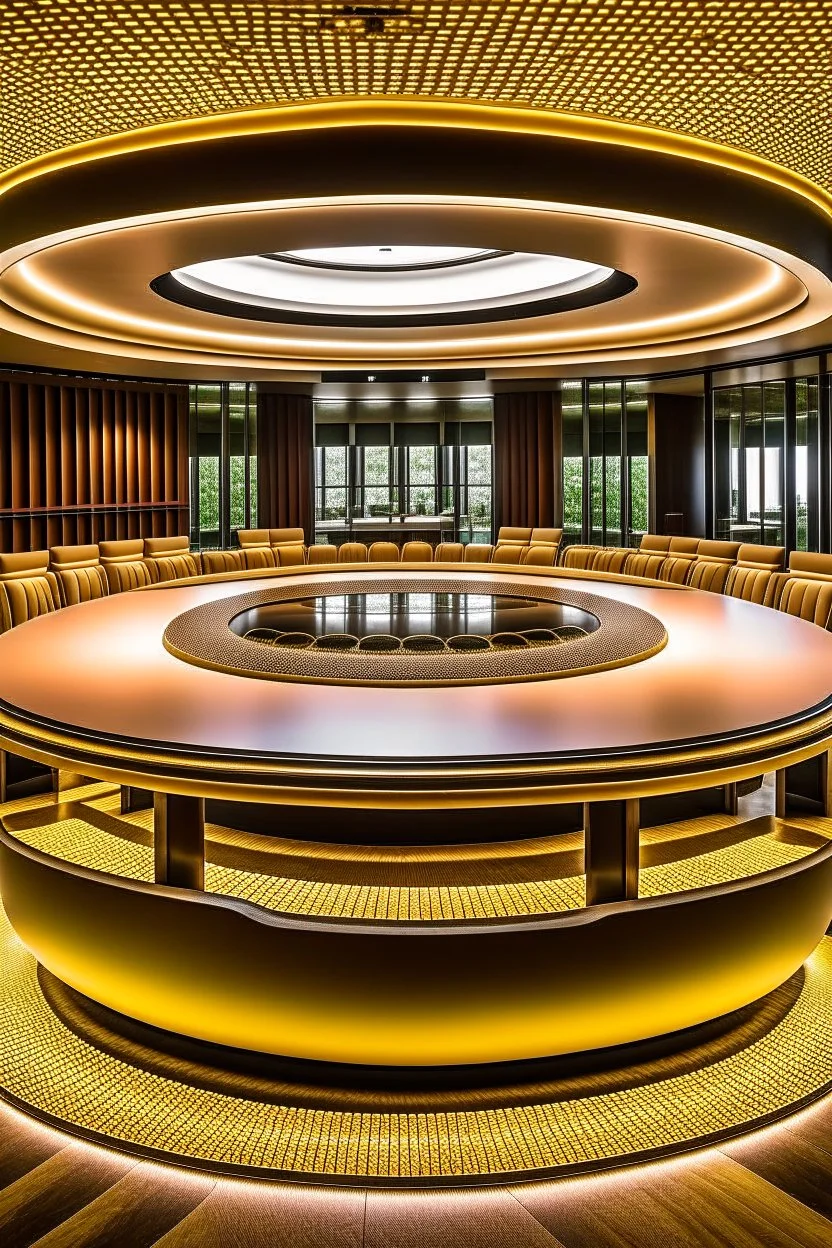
point(729, 670)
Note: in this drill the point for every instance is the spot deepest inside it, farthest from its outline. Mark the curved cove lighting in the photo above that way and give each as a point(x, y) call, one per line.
point(389, 280)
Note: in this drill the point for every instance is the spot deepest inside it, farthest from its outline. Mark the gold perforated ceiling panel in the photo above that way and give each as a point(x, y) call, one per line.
point(749, 73)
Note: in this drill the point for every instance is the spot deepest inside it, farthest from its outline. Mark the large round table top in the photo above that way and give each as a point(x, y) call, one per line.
point(737, 689)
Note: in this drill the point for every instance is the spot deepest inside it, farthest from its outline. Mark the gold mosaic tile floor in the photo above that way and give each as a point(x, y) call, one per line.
point(84, 845)
point(51, 1071)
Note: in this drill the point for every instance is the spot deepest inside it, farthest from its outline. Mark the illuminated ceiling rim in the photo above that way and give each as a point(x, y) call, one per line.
point(67, 311)
point(375, 110)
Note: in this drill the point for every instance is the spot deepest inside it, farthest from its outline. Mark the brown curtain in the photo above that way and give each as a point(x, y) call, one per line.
point(285, 467)
point(527, 457)
point(84, 461)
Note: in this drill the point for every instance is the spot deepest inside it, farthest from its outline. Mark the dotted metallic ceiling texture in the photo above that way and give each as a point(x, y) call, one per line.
point(755, 74)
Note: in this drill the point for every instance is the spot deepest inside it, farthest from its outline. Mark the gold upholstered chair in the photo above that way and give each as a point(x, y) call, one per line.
point(754, 575)
point(651, 554)
point(417, 552)
point(216, 561)
point(170, 558)
point(27, 588)
point(714, 561)
point(681, 555)
point(79, 573)
point(611, 559)
point(352, 552)
point(544, 540)
point(449, 552)
point(578, 557)
point(288, 547)
point(541, 557)
point(384, 552)
point(806, 589)
point(478, 552)
point(512, 543)
point(322, 554)
point(256, 548)
point(124, 565)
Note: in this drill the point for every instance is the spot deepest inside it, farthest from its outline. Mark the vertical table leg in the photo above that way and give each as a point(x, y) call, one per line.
point(811, 779)
point(3, 757)
point(611, 850)
point(179, 840)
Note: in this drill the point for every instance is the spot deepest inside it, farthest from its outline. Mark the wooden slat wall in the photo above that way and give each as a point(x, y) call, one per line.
point(85, 461)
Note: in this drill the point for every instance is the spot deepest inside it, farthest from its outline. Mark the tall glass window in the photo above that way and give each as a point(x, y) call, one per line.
point(572, 407)
point(767, 463)
point(223, 462)
point(381, 467)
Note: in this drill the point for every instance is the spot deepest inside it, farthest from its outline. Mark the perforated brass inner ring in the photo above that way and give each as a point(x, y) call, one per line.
point(202, 636)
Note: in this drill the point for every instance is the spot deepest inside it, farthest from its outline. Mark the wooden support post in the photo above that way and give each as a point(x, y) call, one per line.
point(611, 846)
point(3, 773)
point(810, 781)
point(179, 840)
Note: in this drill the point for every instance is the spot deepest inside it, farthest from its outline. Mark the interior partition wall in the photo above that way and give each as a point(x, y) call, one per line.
point(403, 468)
point(86, 461)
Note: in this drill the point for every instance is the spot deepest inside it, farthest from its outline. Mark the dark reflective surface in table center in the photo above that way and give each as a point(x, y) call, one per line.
point(403, 615)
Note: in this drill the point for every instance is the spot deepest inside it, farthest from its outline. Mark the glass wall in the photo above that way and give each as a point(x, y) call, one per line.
point(767, 463)
point(402, 469)
point(605, 475)
point(223, 462)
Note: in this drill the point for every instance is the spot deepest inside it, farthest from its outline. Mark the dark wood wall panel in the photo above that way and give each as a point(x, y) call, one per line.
point(85, 461)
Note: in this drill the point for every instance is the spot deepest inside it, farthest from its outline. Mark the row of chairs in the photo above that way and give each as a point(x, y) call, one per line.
point(741, 570)
point(41, 581)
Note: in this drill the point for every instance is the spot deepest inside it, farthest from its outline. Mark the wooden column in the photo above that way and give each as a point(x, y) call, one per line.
point(179, 840)
point(2, 776)
point(810, 780)
point(611, 851)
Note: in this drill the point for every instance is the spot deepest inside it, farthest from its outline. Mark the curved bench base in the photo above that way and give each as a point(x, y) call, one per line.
point(770, 1060)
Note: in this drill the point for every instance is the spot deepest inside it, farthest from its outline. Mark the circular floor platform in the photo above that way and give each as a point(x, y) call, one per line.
point(774, 1058)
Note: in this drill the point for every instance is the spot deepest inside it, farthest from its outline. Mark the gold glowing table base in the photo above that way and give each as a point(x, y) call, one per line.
point(774, 1060)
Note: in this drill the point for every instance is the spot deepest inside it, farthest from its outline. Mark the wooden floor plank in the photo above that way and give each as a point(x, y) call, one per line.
point(250, 1215)
point(24, 1144)
point(134, 1212)
point(470, 1219)
point(710, 1201)
point(790, 1163)
point(55, 1190)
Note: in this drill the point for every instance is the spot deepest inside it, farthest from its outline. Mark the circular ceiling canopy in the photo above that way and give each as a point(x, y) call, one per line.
point(391, 285)
point(257, 244)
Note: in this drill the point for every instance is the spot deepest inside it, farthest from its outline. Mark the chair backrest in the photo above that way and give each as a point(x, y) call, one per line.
point(654, 544)
point(541, 557)
point(256, 548)
point(27, 588)
point(681, 553)
point(610, 559)
point(384, 552)
point(546, 537)
point(216, 561)
point(579, 557)
point(513, 533)
point(478, 552)
point(170, 558)
point(322, 554)
point(417, 552)
point(645, 563)
point(79, 573)
point(449, 552)
point(352, 552)
point(714, 561)
point(288, 547)
point(124, 565)
point(806, 589)
point(754, 577)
